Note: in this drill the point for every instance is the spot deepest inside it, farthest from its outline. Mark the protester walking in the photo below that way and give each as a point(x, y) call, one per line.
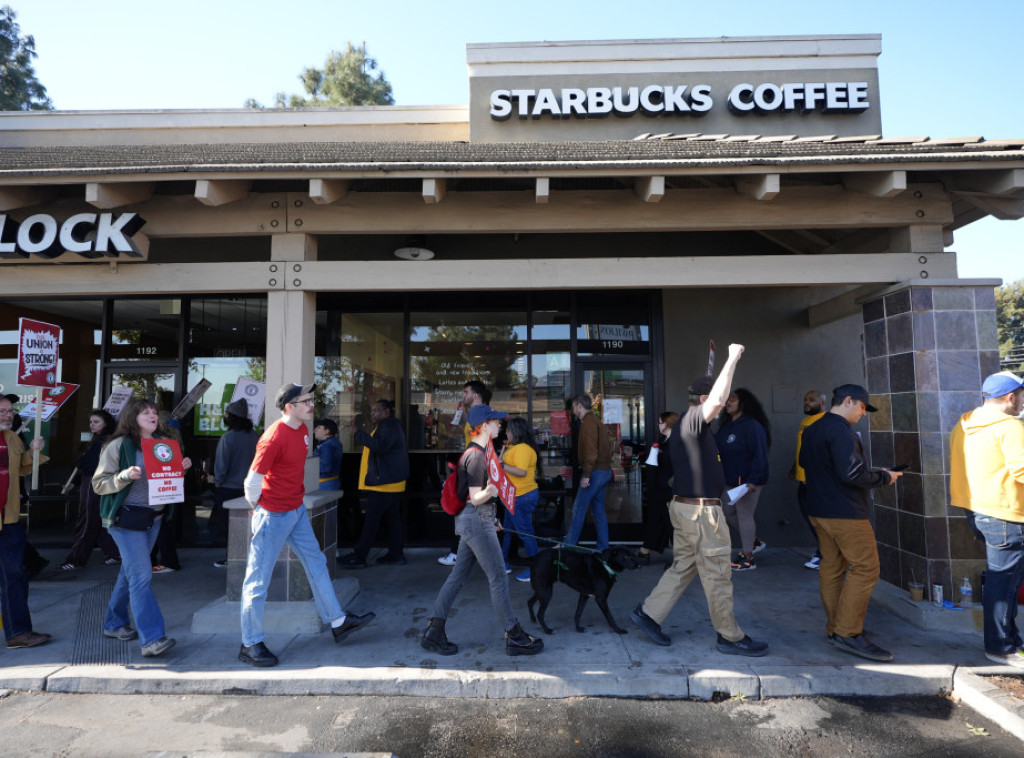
point(595, 458)
point(519, 459)
point(743, 439)
point(134, 523)
point(89, 531)
point(658, 525)
point(475, 524)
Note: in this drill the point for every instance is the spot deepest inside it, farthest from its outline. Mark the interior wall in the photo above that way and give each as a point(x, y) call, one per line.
point(783, 359)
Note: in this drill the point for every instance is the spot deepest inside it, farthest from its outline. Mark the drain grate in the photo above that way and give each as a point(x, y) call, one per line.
point(91, 647)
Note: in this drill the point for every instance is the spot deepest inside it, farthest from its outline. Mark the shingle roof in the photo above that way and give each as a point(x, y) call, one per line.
point(649, 152)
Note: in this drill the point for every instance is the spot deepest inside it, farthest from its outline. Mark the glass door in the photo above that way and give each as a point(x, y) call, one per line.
point(619, 392)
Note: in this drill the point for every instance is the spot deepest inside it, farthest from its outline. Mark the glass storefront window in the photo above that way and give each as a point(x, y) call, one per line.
point(145, 330)
point(359, 361)
point(227, 341)
point(154, 385)
point(552, 385)
point(449, 349)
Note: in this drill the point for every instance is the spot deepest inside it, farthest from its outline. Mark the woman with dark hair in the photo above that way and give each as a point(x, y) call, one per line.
point(89, 532)
point(120, 480)
point(329, 451)
point(235, 451)
point(658, 526)
point(744, 437)
point(520, 460)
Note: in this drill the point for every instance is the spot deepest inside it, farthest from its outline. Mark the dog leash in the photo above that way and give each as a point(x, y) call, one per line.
point(558, 545)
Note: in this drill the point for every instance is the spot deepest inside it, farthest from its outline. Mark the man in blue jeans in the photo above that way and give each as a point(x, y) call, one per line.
point(274, 488)
point(986, 467)
point(594, 454)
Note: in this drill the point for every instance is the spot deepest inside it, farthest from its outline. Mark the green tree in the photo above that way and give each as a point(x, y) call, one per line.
point(348, 78)
point(1010, 323)
point(19, 88)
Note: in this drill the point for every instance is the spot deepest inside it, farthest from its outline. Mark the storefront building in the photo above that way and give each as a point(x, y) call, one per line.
point(597, 215)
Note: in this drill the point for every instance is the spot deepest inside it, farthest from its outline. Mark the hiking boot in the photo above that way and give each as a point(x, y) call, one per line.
point(158, 647)
point(435, 640)
point(860, 645)
point(649, 626)
point(121, 633)
point(745, 646)
point(351, 623)
point(744, 562)
point(518, 642)
point(28, 639)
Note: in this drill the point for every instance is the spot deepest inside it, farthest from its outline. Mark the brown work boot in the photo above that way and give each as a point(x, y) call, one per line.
point(28, 639)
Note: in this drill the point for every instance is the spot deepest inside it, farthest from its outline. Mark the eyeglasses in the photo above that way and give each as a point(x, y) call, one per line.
point(308, 401)
point(7, 411)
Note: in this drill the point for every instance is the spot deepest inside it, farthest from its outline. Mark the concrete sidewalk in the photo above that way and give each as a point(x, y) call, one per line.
point(778, 603)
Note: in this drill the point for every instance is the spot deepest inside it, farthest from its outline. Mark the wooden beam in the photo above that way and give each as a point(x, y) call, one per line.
point(215, 192)
point(650, 189)
point(327, 191)
point(1001, 206)
point(839, 307)
point(543, 190)
point(917, 238)
point(1001, 182)
point(763, 187)
point(117, 194)
point(106, 278)
point(434, 190)
point(12, 198)
point(877, 183)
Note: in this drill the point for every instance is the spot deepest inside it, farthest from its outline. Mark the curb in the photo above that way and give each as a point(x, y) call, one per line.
point(672, 682)
point(989, 700)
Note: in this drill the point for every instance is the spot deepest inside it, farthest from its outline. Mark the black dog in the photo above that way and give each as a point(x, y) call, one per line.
point(582, 571)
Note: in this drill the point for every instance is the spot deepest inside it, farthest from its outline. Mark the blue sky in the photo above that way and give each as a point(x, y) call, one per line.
point(946, 69)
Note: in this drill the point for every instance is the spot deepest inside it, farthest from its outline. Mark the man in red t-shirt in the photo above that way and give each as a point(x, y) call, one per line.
point(15, 462)
point(274, 489)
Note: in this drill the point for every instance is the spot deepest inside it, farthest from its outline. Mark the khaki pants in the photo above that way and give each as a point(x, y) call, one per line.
point(848, 572)
point(700, 545)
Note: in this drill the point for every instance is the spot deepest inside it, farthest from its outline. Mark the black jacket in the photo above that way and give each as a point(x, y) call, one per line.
point(389, 458)
point(838, 479)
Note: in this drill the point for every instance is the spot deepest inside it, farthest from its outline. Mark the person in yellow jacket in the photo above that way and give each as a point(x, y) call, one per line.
point(15, 462)
point(986, 466)
point(383, 471)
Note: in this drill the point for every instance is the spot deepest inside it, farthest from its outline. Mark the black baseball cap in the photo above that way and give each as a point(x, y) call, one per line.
point(14, 399)
point(856, 392)
point(289, 392)
point(701, 386)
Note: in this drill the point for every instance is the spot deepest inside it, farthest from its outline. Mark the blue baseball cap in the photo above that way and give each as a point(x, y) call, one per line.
point(478, 414)
point(1001, 384)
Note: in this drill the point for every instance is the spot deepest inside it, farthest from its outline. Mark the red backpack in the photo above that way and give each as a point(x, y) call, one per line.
point(451, 502)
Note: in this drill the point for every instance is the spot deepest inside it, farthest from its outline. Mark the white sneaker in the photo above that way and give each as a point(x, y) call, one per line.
point(814, 563)
point(1014, 658)
point(447, 560)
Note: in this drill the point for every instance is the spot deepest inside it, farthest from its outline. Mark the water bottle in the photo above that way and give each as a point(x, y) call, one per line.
point(966, 593)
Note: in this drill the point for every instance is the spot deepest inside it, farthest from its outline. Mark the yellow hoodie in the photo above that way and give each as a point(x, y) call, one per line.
point(986, 464)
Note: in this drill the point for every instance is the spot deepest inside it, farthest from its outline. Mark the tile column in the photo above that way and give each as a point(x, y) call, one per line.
point(927, 348)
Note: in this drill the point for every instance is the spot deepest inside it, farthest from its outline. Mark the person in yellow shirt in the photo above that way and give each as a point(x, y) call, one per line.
point(814, 409)
point(520, 461)
point(383, 471)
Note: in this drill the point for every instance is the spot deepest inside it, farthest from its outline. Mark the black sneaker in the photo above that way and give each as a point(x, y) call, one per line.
point(257, 655)
point(649, 626)
point(745, 646)
point(351, 561)
point(860, 645)
point(351, 623)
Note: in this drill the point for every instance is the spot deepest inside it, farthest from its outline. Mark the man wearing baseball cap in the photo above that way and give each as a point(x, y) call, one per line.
point(839, 483)
point(986, 476)
point(15, 462)
point(274, 488)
